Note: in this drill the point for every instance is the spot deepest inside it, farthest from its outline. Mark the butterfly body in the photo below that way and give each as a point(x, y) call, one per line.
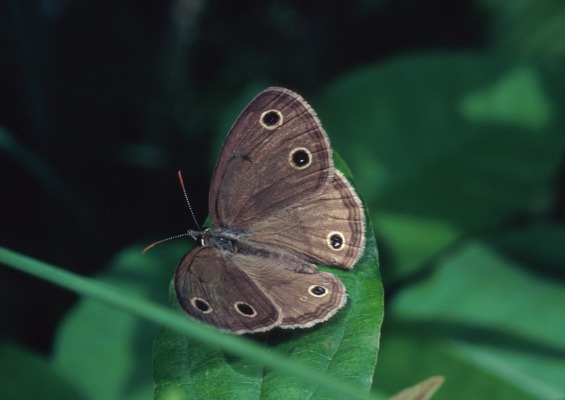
point(234, 242)
point(278, 207)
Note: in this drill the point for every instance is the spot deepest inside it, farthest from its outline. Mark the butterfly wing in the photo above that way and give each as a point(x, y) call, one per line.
point(246, 293)
point(211, 288)
point(304, 299)
point(326, 228)
point(274, 156)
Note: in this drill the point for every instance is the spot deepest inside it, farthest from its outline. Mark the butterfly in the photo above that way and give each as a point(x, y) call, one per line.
point(278, 207)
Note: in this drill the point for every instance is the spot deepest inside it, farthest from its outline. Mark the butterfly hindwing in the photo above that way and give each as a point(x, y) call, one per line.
point(326, 228)
point(303, 298)
point(211, 288)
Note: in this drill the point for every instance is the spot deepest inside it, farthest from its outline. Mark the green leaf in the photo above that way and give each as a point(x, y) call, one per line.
point(106, 351)
point(25, 375)
point(441, 147)
point(482, 316)
point(345, 346)
point(517, 99)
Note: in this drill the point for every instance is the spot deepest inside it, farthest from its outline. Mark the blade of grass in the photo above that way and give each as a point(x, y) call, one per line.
point(164, 316)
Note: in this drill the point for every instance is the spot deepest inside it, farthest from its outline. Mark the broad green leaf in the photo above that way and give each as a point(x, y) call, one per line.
point(105, 351)
point(345, 346)
point(442, 147)
point(407, 356)
point(26, 375)
point(517, 99)
point(484, 316)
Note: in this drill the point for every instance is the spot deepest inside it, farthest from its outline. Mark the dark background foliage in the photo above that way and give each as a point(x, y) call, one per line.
point(102, 102)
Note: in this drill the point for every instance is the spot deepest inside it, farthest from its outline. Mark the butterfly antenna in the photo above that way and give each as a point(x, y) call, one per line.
point(187, 201)
point(192, 233)
point(166, 240)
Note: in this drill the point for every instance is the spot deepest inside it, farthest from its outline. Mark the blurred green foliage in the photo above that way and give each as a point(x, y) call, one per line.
point(449, 115)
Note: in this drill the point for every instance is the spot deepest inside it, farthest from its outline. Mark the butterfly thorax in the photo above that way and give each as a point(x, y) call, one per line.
point(224, 239)
point(234, 242)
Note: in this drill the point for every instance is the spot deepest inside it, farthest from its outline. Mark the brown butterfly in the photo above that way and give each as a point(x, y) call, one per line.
point(278, 207)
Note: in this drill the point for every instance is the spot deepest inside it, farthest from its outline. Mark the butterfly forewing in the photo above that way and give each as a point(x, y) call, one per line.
point(275, 155)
